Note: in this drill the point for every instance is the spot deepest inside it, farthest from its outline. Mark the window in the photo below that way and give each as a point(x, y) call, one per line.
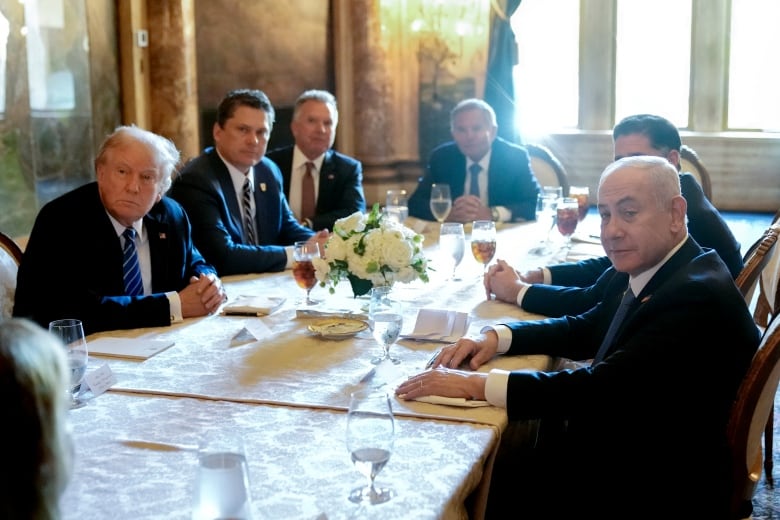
point(704, 65)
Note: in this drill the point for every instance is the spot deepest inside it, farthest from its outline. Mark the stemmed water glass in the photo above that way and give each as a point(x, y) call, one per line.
point(452, 243)
point(441, 201)
point(385, 317)
point(546, 203)
point(303, 269)
point(369, 439)
point(567, 218)
point(483, 241)
point(397, 205)
point(582, 194)
point(71, 333)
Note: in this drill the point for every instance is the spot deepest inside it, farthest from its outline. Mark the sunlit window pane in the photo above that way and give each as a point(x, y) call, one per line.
point(754, 77)
point(653, 58)
point(546, 77)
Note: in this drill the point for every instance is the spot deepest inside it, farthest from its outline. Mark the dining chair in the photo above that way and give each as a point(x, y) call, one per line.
point(748, 418)
point(690, 162)
point(547, 169)
point(756, 259)
point(10, 258)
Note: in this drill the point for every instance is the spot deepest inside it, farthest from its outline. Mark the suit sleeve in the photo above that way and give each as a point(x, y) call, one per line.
point(345, 196)
point(556, 300)
point(579, 274)
point(420, 201)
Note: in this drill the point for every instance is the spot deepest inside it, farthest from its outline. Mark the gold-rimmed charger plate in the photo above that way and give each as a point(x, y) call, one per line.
point(337, 328)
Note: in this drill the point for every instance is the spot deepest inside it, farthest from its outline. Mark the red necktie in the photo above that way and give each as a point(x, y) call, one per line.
point(308, 206)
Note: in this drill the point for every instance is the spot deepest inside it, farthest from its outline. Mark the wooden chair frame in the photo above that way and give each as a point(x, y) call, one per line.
point(11, 246)
point(748, 418)
point(756, 259)
point(688, 155)
point(541, 152)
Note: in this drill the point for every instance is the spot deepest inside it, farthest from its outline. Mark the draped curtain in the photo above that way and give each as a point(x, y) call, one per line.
point(502, 57)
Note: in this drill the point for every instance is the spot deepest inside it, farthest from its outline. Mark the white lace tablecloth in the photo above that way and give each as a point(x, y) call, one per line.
point(298, 463)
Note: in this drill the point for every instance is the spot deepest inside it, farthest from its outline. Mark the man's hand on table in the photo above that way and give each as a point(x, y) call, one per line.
point(202, 296)
point(503, 281)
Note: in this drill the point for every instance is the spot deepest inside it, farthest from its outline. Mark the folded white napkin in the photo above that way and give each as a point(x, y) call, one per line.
point(452, 401)
point(438, 325)
point(244, 305)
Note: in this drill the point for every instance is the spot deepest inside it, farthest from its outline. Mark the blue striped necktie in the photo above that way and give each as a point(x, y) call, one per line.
point(474, 169)
point(132, 272)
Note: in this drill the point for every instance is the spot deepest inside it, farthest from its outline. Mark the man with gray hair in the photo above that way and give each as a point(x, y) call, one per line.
point(74, 265)
point(489, 178)
point(335, 180)
point(671, 341)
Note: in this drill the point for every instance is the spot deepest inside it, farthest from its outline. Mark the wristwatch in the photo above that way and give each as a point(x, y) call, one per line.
point(496, 215)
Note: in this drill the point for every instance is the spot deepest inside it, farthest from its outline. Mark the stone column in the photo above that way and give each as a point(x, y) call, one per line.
point(173, 73)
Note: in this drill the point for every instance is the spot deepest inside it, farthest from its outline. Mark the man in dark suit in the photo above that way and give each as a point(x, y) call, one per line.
point(241, 221)
point(489, 178)
point(336, 179)
point(73, 263)
point(572, 288)
point(640, 431)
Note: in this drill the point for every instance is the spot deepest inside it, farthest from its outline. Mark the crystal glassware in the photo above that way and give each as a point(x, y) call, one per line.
point(397, 205)
point(71, 333)
point(441, 201)
point(452, 244)
point(546, 203)
point(303, 269)
point(582, 194)
point(222, 488)
point(483, 241)
point(385, 317)
point(567, 218)
point(369, 438)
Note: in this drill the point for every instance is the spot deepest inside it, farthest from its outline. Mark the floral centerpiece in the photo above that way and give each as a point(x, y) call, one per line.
point(370, 250)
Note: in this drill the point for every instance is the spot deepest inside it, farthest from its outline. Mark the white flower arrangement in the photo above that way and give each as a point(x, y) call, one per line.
point(370, 250)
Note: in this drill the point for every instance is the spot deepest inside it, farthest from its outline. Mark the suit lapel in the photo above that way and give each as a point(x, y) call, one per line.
point(157, 232)
point(228, 192)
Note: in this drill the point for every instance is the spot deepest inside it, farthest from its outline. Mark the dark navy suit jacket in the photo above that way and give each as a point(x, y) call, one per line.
point(574, 286)
point(72, 265)
point(205, 189)
point(340, 191)
point(510, 181)
point(659, 401)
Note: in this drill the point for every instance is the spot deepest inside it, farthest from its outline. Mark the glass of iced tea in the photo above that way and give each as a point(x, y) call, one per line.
point(483, 241)
point(582, 194)
point(567, 218)
point(303, 269)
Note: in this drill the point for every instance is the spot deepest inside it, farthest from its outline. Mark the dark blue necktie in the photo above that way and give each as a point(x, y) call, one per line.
point(132, 272)
point(474, 169)
point(628, 299)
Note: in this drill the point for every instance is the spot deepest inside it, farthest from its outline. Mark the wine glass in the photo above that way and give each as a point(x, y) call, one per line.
point(303, 269)
point(385, 317)
point(582, 194)
point(546, 203)
point(370, 433)
point(397, 205)
point(441, 201)
point(483, 241)
point(452, 243)
point(567, 218)
point(222, 488)
point(71, 333)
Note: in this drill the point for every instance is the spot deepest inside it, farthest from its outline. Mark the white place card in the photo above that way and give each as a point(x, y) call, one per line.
point(100, 380)
point(439, 325)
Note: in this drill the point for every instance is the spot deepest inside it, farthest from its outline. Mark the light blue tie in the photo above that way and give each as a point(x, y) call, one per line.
point(474, 169)
point(133, 284)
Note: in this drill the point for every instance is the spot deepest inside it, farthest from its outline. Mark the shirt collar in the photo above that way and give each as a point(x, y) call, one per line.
point(299, 159)
point(638, 282)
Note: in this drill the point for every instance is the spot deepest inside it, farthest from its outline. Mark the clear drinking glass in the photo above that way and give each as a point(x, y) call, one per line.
point(369, 439)
point(71, 333)
point(546, 204)
point(567, 218)
point(582, 194)
point(441, 201)
point(483, 241)
point(222, 485)
point(385, 317)
point(452, 244)
point(397, 205)
point(303, 269)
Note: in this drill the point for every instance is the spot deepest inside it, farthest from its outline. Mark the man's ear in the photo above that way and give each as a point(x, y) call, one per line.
point(679, 211)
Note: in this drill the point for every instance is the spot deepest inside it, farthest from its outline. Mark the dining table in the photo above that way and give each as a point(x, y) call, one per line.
point(285, 388)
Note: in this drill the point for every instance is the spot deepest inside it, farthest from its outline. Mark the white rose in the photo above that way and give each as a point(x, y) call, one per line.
point(353, 223)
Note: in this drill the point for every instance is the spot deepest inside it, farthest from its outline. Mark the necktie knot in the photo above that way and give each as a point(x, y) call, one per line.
point(129, 234)
point(474, 170)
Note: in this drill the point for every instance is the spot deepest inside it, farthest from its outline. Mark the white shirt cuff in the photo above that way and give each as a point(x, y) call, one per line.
point(495, 387)
point(547, 276)
point(521, 294)
point(175, 304)
point(289, 252)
